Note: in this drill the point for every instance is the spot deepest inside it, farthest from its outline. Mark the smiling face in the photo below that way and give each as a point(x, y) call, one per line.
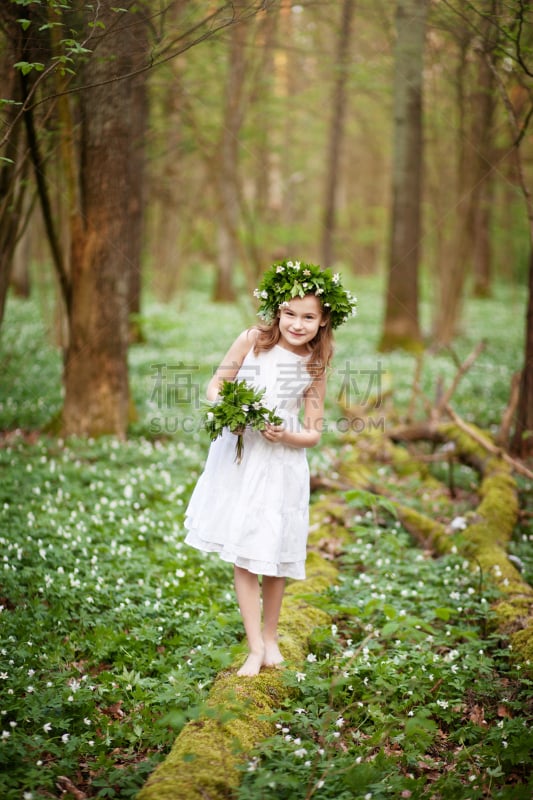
point(299, 321)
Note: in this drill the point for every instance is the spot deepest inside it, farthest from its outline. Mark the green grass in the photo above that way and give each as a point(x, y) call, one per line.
point(112, 631)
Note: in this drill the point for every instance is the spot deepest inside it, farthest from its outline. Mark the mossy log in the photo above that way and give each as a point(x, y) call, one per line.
point(205, 759)
point(486, 539)
point(429, 533)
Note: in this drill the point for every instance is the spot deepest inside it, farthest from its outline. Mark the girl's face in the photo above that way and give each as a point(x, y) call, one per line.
point(299, 321)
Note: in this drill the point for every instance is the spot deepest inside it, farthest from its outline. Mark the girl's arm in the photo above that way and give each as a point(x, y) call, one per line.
point(313, 420)
point(232, 362)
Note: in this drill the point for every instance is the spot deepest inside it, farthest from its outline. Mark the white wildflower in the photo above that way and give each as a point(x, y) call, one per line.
point(458, 524)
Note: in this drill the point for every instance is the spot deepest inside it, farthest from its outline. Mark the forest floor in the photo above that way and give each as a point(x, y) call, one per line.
point(114, 634)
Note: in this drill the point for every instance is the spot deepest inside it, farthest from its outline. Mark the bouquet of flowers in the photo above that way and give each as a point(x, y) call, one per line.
point(238, 406)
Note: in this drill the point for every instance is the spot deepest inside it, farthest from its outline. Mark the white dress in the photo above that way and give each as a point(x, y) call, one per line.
point(256, 514)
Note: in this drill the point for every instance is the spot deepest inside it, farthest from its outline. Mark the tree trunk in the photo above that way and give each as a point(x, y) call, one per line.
point(227, 167)
point(336, 134)
point(12, 192)
point(20, 273)
point(261, 217)
point(136, 203)
point(456, 266)
point(483, 105)
point(13, 169)
point(401, 324)
point(96, 375)
point(522, 442)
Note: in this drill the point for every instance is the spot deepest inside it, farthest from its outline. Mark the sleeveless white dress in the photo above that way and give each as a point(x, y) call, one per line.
point(256, 514)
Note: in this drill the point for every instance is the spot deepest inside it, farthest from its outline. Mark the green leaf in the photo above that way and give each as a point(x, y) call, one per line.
point(444, 613)
point(26, 67)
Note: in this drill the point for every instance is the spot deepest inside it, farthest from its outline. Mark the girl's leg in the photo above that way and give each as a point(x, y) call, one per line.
point(273, 589)
point(249, 599)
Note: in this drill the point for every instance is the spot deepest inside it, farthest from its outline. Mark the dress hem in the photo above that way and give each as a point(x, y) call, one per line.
point(294, 570)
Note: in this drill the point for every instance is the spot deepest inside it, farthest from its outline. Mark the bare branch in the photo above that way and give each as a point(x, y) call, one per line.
point(465, 366)
point(517, 466)
point(263, 5)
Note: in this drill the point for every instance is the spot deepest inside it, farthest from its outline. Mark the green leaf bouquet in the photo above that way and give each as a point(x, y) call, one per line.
point(238, 406)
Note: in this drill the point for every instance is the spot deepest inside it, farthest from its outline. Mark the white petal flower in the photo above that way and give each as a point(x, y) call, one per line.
point(458, 524)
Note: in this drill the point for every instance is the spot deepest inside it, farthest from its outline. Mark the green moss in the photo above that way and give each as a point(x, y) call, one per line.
point(356, 474)
point(514, 611)
point(204, 761)
point(470, 450)
point(329, 509)
point(403, 462)
point(321, 572)
point(485, 541)
point(425, 530)
point(498, 507)
point(522, 643)
point(392, 341)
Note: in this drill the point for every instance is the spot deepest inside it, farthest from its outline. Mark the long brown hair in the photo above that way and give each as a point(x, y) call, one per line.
point(321, 347)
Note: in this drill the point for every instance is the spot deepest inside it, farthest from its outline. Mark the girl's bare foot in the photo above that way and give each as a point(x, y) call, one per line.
point(272, 656)
point(252, 665)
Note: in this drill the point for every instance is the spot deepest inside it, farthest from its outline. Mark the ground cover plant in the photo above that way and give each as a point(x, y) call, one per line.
point(409, 693)
point(112, 632)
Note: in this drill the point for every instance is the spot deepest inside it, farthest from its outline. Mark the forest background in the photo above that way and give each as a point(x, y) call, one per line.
point(155, 158)
point(144, 144)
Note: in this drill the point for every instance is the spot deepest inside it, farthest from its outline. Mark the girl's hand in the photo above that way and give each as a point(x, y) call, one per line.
point(273, 433)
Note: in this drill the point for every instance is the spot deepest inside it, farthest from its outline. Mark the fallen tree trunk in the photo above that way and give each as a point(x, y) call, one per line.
point(485, 540)
point(205, 758)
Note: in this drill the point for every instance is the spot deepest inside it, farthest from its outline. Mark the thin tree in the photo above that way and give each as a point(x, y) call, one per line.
point(484, 101)
point(512, 27)
point(336, 133)
point(226, 166)
point(401, 324)
point(14, 162)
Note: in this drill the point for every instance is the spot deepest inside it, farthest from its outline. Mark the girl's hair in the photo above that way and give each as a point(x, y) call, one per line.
point(321, 346)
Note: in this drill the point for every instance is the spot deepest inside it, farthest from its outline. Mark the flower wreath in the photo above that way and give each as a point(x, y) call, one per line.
point(288, 279)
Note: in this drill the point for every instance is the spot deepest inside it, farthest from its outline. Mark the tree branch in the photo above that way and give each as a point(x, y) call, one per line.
point(38, 168)
point(488, 446)
point(464, 367)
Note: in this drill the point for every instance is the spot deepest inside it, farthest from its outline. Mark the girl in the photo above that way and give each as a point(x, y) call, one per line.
point(255, 513)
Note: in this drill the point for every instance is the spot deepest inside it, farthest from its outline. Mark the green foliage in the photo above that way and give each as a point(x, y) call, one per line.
point(239, 406)
point(108, 623)
point(113, 631)
point(406, 694)
point(359, 498)
point(26, 67)
point(286, 280)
